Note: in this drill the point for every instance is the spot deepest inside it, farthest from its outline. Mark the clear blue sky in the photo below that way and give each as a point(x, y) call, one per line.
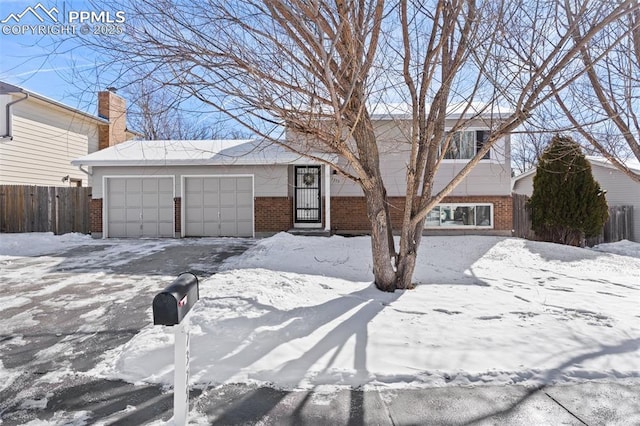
point(31, 61)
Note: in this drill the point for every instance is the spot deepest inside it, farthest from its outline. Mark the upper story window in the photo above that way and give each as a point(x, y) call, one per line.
point(465, 144)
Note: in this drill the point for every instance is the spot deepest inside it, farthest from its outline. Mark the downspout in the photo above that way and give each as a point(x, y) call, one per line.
point(86, 172)
point(9, 105)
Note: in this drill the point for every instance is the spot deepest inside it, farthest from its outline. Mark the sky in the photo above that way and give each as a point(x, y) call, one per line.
point(57, 66)
point(45, 64)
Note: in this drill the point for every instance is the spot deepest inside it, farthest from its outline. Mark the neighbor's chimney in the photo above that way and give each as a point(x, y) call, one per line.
point(113, 108)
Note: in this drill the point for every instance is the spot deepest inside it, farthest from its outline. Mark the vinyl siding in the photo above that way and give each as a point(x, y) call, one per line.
point(45, 140)
point(269, 181)
point(489, 177)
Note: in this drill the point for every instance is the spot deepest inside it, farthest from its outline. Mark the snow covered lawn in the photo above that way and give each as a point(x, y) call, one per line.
point(301, 312)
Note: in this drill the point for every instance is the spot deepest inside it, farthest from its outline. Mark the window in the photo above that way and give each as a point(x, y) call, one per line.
point(464, 145)
point(460, 216)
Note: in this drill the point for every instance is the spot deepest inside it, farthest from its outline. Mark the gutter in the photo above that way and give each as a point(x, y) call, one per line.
point(9, 105)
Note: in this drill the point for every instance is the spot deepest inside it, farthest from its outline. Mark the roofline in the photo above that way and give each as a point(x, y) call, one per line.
point(525, 174)
point(10, 89)
point(239, 161)
point(597, 161)
point(448, 116)
point(602, 161)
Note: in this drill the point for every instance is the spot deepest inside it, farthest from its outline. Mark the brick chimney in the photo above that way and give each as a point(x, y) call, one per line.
point(113, 108)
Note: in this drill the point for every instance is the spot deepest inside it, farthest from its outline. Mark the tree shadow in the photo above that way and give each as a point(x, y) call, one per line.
point(562, 253)
point(112, 402)
point(630, 345)
point(277, 327)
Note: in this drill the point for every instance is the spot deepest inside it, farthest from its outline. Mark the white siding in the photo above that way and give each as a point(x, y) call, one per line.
point(269, 181)
point(621, 191)
point(489, 177)
point(45, 140)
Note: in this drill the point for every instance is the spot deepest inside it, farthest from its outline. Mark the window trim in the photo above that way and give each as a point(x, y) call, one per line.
point(456, 205)
point(489, 156)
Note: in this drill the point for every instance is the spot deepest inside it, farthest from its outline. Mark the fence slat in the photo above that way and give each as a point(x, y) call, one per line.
point(26, 208)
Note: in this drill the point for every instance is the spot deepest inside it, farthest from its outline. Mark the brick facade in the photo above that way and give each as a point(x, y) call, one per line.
point(177, 214)
point(349, 214)
point(95, 216)
point(273, 214)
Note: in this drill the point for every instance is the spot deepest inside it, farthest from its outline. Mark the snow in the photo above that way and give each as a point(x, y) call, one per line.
point(298, 312)
point(193, 152)
point(39, 243)
point(301, 312)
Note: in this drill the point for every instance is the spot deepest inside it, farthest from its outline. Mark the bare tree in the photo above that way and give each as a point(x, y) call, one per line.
point(320, 68)
point(158, 114)
point(604, 105)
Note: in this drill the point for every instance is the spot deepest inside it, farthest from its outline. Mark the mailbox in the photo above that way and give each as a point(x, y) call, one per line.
point(174, 303)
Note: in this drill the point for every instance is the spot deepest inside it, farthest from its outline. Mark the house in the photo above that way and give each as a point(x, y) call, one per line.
point(620, 189)
point(244, 188)
point(40, 136)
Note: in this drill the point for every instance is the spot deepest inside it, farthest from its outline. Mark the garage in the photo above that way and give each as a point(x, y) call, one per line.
point(139, 207)
point(217, 206)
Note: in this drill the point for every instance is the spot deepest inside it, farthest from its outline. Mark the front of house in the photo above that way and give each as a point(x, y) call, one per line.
point(243, 188)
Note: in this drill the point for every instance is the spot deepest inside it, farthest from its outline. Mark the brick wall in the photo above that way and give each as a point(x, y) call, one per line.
point(350, 213)
point(273, 214)
point(177, 212)
point(95, 216)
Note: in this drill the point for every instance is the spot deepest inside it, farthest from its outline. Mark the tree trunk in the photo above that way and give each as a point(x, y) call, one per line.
point(382, 245)
point(406, 263)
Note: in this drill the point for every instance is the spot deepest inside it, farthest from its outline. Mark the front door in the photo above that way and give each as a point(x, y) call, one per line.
point(307, 195)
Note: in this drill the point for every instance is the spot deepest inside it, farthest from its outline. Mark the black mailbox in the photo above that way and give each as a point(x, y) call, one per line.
point(175, 302)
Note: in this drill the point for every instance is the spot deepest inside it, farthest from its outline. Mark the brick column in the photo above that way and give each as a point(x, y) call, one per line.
point(177, 214)
point(95, 217)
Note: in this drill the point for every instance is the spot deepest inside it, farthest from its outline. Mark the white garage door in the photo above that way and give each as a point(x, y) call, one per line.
point(139, 207)
point(218, 206)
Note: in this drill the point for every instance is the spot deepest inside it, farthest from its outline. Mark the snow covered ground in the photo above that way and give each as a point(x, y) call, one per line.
point(301, 312)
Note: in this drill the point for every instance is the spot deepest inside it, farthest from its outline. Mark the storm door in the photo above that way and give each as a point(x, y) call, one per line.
point(307, 194)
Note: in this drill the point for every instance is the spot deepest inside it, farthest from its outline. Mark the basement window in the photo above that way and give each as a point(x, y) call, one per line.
point(459, 215)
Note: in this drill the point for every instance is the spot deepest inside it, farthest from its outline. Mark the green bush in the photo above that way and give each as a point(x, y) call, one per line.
point(567, 203)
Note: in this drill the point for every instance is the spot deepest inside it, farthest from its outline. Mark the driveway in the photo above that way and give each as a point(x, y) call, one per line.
point(61, 313)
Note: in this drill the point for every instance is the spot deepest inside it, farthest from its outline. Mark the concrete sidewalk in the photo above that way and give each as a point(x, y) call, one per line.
point(589, 403)
point(104, 402)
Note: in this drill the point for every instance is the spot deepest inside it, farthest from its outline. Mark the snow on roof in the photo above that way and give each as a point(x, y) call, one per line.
point(194, 152)
point(631, 163)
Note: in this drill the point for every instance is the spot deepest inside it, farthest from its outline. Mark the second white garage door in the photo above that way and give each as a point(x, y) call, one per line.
point(218, 206)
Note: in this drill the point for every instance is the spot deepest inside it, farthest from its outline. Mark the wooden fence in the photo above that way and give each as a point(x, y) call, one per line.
point(521, 217)
point(54, 209)
point(618, 227)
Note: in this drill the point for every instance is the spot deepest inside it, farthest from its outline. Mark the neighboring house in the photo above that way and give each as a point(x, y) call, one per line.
point(620, 189)
point(39, 136)
point(240, 188)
